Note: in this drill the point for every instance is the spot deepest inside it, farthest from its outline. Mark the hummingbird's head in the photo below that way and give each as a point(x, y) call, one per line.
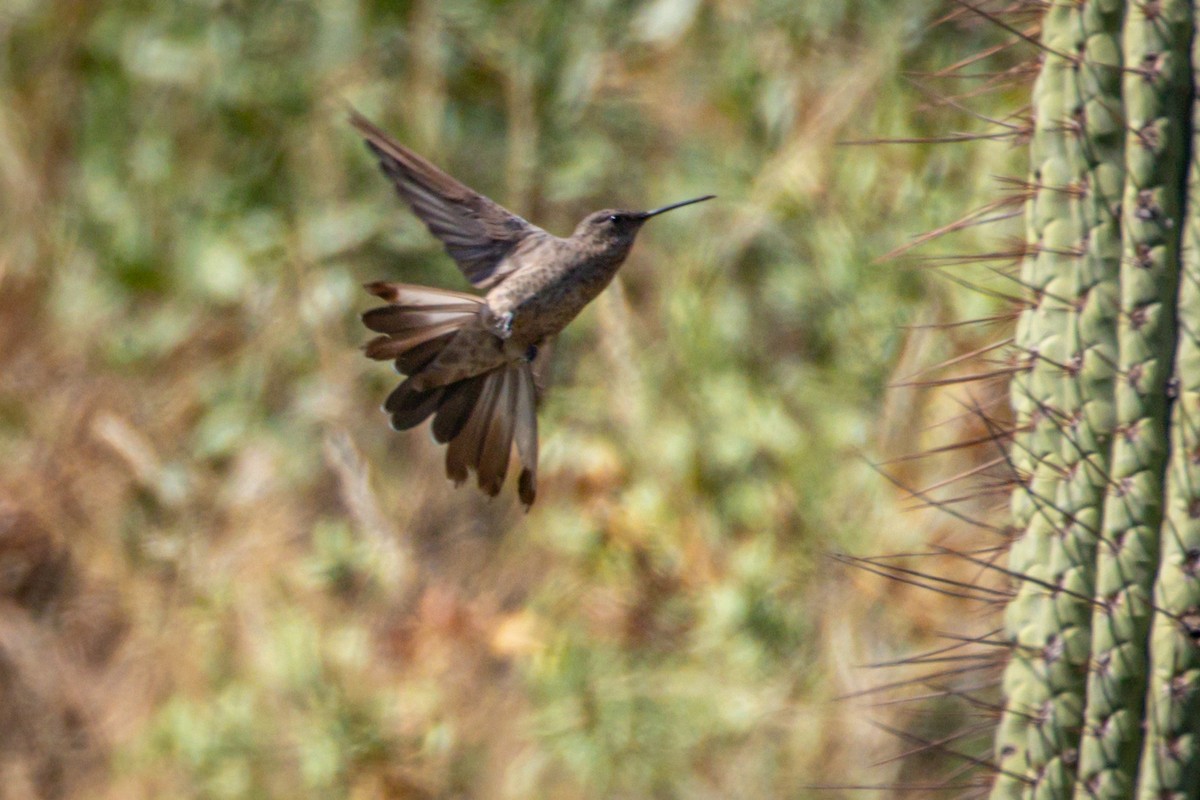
point(610, 229)
point(615, 229)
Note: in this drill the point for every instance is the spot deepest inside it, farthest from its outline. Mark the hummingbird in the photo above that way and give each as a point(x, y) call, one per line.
point(468, 360)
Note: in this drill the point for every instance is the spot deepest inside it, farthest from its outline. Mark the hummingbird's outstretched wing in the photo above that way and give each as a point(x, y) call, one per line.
point(477, 232)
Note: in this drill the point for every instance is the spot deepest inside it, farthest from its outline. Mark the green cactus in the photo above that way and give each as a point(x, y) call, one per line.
point(1170, 758)
point(1068, 340)
point(1104, 620)
point(1155, 111)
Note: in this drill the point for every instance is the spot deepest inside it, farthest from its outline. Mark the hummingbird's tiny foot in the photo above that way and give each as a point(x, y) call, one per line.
point(501, 324)
point(504, 325)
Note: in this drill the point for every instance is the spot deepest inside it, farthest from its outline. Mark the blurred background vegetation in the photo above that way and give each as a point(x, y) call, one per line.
point(223, 576)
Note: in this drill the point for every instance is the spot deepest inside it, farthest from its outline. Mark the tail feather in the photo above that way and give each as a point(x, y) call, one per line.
point(388, 348)
point(464, 449)
point(480, 417)
point(420, 356)
point(402, 343)
point(525, 433)
point(409, 294)
point(495, 447)
point(456, 407)
point(409, 407)
point(407, 319)
point(415, 310)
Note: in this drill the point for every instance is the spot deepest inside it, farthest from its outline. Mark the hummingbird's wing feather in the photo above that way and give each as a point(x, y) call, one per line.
point(477, 232)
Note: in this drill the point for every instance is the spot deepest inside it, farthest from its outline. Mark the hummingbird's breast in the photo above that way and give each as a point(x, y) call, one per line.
point(552, 284)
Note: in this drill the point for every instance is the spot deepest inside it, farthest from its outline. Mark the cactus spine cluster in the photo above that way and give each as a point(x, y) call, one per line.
point(1101, 687)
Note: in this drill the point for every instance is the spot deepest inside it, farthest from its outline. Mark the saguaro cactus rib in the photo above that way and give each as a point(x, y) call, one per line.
point(1170, 757)
point(1156, 43)
point(1077, 171)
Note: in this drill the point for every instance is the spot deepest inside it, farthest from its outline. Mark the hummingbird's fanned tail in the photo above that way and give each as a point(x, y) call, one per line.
point(480, 416)
point(504, 411)
point(417, 323)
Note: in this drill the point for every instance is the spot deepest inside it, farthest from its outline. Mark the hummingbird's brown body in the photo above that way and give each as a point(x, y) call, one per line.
point(558, 279)
point(468, 360)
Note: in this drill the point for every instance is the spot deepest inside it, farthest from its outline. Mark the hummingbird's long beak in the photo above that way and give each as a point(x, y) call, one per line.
point(657, 211)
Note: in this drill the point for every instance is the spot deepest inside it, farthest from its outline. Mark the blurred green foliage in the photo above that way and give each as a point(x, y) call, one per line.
point(313, 610)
